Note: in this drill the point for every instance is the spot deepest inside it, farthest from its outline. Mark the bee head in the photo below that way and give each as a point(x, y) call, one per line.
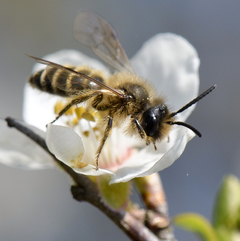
point(154, 122)
point(157, 121)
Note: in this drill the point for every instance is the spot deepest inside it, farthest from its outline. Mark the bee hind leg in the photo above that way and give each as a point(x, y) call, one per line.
point(105, 136)
point(76, 101)
point(66, 108)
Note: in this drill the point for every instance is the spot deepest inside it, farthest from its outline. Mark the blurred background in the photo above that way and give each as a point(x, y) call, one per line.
point(37, 205)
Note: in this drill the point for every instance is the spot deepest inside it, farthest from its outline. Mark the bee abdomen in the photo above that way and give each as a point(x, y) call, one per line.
point(85, 83)
point(64, 83)
point(44, 81)
point(35, 80)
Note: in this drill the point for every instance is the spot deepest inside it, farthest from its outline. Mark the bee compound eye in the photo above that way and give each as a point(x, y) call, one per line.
point(151, 120)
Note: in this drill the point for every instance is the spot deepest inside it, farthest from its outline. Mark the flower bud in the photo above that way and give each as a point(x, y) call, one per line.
point(227, 204)
point(115, 195)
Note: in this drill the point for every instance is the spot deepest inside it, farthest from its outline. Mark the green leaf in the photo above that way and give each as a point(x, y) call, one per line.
point(226, 235)
point(197, 224)
point(227, 204)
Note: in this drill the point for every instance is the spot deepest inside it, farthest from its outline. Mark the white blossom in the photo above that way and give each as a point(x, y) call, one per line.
point(171, 64)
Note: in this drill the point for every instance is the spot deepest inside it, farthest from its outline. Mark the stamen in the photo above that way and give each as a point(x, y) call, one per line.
point(75, 121)
point(78, 163)
point(59, 106)
point(79, 111)
point(87, 116)
point(93, 136)
point(86, 133)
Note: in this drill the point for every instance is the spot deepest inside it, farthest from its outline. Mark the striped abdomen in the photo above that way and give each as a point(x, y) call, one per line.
point(60, 81)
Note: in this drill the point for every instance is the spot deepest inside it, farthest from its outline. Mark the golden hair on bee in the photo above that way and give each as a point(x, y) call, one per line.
point(117, 97)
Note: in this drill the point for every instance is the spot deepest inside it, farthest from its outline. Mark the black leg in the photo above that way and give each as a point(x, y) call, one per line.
point(141, 132)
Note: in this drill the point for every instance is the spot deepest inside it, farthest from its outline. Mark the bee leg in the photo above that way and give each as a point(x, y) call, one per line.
point(155, 148)
point(141, 132)
point(65, 109)
point(76, 101)
point(154, 144)
point(105, 136)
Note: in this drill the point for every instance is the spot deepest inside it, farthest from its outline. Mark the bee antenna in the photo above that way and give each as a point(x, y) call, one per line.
point(186, 125)
point(194, 100)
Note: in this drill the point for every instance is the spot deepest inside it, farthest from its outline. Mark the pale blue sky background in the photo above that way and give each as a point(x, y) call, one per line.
point(38, 205)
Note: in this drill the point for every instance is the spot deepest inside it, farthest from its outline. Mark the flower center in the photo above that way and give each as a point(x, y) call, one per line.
point(89, 124)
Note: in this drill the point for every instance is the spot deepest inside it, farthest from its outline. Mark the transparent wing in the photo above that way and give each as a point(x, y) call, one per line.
point(95, 33)
point(78, 80)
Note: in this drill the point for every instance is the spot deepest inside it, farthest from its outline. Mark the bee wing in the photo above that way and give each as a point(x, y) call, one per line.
point(95, 33)
point(76, 79)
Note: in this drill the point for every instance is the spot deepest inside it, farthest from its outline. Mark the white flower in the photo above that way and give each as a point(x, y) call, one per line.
point(17, 150)
point(171, 64)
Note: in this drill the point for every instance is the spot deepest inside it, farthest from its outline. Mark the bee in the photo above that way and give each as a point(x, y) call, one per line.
point(122, 95)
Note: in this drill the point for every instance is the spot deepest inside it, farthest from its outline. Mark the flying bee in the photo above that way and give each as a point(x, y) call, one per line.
point(118, 97)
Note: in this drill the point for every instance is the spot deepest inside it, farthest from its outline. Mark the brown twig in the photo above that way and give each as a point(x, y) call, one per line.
point(153, 195)
point(85, 190)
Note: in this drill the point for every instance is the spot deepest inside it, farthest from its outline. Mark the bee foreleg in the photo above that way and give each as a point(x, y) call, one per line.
point(105, 136)
point(154, 144)
point(141, 131)
point(76, 101)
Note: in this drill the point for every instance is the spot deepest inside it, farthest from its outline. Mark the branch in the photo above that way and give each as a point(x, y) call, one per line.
point(153, 195)
point(85, 190)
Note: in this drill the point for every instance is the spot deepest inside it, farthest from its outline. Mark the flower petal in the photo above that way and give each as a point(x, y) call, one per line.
point(171, 63)
point(148, 161)
point(90, 170)
point(171, 155)
point(64, 143)
point(38, 107)
point(17, 150)
point(68, 147)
